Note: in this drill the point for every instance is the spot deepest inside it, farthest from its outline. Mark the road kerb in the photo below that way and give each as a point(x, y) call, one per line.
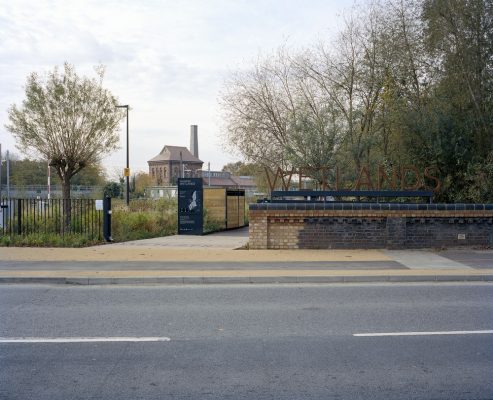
point(241, 276)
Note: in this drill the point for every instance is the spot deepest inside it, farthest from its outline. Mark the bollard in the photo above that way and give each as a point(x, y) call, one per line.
point(107, 219)
point(19, 216)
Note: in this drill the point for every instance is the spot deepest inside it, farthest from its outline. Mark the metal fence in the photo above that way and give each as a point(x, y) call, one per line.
point(41, 191)
point(54, 216)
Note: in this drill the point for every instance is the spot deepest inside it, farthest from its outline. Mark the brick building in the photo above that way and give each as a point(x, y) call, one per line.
point(174, 162)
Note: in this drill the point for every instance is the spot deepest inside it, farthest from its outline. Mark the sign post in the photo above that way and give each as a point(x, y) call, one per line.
point(190, 206)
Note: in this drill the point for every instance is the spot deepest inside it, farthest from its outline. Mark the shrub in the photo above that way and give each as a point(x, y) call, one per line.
point(143, 224)
point(48, 240)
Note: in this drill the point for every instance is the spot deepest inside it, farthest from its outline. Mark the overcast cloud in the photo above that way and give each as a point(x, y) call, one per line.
point(167, 59)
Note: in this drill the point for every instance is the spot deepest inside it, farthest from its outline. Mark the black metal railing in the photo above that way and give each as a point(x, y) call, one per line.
point(322, 196)
point(54, 216)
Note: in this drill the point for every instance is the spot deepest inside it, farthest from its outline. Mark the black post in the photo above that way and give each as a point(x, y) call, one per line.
point(128, 166)
point(107, 219)
point(19, 216)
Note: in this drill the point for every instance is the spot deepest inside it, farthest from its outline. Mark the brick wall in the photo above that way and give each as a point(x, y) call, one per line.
point(369, 225)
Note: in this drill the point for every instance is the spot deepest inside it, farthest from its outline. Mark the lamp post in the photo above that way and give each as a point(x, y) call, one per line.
point(127, 169)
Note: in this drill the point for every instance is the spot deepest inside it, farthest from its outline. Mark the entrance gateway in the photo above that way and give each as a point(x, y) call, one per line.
point(344, 220)
point(208, 209)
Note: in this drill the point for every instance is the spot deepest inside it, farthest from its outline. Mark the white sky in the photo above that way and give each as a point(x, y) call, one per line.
point(167, 59)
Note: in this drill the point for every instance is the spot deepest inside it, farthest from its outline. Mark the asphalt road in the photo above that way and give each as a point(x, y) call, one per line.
point(247, 342)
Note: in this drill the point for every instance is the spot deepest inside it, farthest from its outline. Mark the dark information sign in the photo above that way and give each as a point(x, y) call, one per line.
point(190, 206)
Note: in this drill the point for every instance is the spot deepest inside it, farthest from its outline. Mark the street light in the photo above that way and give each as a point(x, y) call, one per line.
point(127, 170)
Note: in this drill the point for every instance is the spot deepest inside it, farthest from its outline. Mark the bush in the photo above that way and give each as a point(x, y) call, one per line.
point(212, 225)
point(112, 189)
point(144, 219)
point(47, 240)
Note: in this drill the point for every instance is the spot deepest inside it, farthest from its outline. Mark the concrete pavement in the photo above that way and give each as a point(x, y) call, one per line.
point(222, 258)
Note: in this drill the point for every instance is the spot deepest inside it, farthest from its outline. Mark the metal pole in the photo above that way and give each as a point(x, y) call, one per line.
point(128, 165)
point(0, 171)
point(49, 181)
point(127, 197)
point(8, 175)
point(209, 169)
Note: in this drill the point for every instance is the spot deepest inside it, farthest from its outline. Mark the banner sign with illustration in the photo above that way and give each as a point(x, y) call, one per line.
point(190, 206)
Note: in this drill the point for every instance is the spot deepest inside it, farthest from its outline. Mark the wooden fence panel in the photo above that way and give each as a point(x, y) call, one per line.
point(215, 204)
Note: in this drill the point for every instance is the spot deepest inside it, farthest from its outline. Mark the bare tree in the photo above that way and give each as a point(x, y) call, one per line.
point(350, 73)
point(256, 108)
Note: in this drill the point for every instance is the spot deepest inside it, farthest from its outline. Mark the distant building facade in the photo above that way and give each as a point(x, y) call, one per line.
point(175, 162)
point(172, 163)
point(223, 179)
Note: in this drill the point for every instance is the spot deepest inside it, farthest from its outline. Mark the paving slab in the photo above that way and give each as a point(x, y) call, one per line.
point(470, 257)
point(419, 259)
point(231, 239)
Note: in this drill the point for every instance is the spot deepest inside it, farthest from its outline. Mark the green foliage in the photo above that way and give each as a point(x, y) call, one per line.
point(112, 189)
point(139, 184)
point(27, 172)
point(24, 172)
point(67, 119)
point(48, 240)
point(43, 223)
point(406, 83)
point(211, 224)
point(479, 181)
point(257, 171)
point(145, 219)
point(160, 205)
point(142, 220)
point(239, 168)
point(313, 141)
point(138, 225)
point(91, 175)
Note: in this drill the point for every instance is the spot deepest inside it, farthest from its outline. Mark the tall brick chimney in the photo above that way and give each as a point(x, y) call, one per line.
point(194, 140)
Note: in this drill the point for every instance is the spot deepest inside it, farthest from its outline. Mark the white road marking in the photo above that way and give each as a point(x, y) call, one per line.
point(422, 333)
point(82, 339)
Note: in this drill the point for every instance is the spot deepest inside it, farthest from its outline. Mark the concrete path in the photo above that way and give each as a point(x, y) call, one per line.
point(216, 258)
point(417, 259)
point(232, 239)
